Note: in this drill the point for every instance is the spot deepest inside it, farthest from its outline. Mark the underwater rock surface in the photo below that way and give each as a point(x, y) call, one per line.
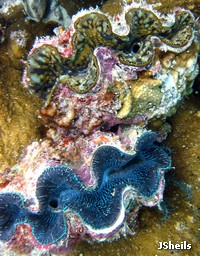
point(18, 109)
point(76, 125)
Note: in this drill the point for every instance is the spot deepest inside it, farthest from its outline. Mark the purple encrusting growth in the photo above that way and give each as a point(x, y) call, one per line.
point(101, 208)
point(111, 68)
point(107, 60)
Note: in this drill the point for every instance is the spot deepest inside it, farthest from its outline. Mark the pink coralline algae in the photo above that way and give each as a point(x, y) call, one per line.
point(100, 79)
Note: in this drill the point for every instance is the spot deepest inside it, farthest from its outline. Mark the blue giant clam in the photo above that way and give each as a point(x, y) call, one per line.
point(101, 209)
point(148, 29)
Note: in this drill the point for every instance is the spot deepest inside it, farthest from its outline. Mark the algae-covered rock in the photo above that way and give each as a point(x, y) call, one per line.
point(115, 6)
point(18, 115)
point(18, 112)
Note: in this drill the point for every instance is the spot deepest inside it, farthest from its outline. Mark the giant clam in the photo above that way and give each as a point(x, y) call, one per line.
point(148, 29)
point(121, 178)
